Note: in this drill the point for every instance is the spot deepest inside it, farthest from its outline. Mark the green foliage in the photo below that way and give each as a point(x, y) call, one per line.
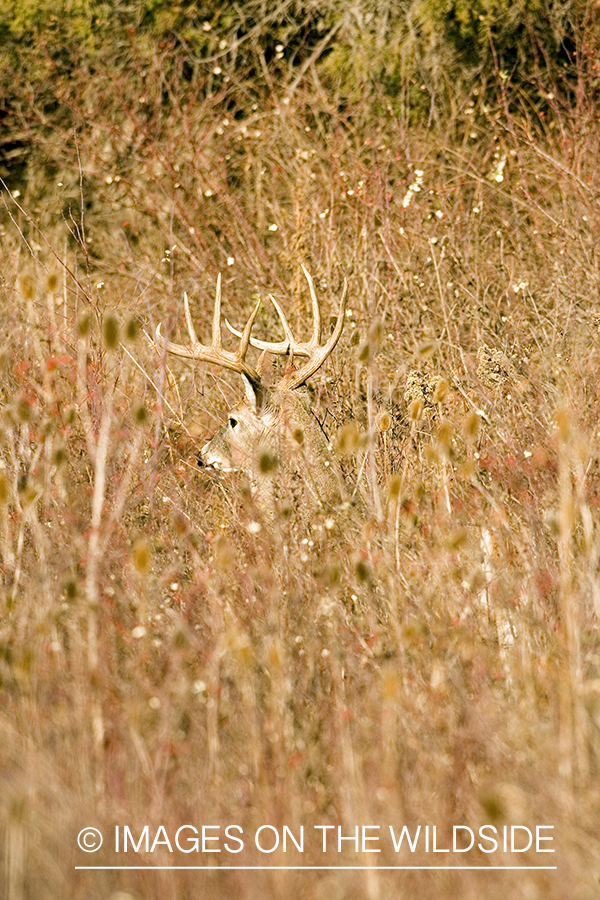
point(417, 55)
point(476, 32)
point(433, 51)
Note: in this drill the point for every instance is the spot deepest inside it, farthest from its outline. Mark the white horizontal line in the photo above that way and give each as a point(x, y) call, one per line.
point(329, 868)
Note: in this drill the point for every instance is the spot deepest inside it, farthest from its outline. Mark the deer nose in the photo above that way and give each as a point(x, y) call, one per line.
point(213, 465)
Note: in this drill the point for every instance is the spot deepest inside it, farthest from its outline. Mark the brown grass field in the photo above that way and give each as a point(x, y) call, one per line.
point(428, 654)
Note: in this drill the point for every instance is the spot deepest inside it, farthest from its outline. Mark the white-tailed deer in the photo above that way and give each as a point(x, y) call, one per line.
point(274, 437)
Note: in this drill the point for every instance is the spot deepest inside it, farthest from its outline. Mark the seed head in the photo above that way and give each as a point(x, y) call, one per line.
point(472, 423)
point(440, 390)
point(111, 331)
point(28, 287)
point(383, 421)
point(140, 413)
point(141, 557)
point(84, 325)
point(267, 462)
point(347, 439)
point(394, 487)
point(444, 435)
point(428, 349)
point(132, 329)
point(363, 572)
point(415, 410)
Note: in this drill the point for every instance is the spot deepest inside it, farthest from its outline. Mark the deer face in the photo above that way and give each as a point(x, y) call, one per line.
point(245, 434)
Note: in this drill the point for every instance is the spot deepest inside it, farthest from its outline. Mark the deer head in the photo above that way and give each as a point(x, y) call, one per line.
point(272, 437)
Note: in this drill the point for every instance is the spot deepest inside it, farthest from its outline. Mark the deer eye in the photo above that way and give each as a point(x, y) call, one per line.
point(232, 422)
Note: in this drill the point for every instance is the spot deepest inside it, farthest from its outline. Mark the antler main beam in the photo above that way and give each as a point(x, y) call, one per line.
point(215, 352)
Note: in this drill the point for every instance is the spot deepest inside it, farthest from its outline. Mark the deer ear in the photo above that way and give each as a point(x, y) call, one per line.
point(254, 394)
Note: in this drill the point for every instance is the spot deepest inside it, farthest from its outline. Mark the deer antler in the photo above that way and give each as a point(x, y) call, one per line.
point(312, 349)
point(215, 353)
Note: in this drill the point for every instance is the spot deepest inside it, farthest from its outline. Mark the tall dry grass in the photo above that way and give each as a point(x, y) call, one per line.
point(427, 655)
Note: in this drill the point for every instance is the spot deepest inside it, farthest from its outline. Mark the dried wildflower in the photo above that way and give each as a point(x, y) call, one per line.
point(424, 388)
point(493, 367)
point(497, 171)
point(414, 188)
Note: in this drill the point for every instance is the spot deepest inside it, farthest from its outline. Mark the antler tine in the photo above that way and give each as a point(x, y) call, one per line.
point(190, 324)
point(215, 353)
point(318, 354)
point(216, 322)
point(290, 344)
point(316, 338)
point(290, 340)
point(277, 348)
point(245, 335)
